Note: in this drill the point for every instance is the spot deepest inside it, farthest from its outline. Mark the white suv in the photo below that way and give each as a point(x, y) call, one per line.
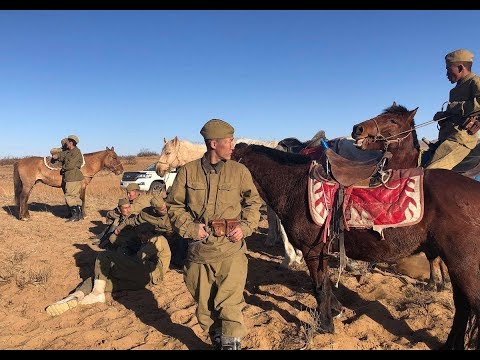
point(148, 179)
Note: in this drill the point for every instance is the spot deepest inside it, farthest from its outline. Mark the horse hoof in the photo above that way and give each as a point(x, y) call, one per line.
point(336, 313)
point(337, 316)
point(25, 219)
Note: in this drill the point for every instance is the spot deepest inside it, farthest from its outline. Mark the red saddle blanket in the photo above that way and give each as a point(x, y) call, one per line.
point(397, 202)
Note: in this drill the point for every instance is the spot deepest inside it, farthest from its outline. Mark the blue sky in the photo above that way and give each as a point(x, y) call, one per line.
point(130, 78)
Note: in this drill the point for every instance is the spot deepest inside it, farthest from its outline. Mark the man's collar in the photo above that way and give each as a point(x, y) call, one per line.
point(208, 167)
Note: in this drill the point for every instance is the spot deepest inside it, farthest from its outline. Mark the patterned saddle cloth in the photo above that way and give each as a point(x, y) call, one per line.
point(396, 202)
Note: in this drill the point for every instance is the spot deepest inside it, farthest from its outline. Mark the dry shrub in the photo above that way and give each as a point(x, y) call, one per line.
point(129, 159)
point(8, 160)
point(35, 275)
point(309, 327)
point(11, 266)
point(146, 152)
point(418, 297)
point(39, 275)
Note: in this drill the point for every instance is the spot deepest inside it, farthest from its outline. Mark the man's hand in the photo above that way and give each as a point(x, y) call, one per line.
point(202, 232)
point(236, 234)
point(472, 124)
point(439, 115)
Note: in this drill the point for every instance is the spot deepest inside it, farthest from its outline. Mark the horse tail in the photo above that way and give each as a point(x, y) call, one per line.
point(473, 340)
point(17, 184)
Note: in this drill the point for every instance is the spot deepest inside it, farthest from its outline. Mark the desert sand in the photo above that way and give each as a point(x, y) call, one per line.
point(43, 259)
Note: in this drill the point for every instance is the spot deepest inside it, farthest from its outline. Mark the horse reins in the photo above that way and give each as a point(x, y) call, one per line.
point(394, 138)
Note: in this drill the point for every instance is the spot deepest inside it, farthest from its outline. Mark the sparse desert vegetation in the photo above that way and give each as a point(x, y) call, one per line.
point(43, 259)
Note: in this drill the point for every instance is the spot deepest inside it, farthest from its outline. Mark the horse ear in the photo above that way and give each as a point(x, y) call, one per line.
point(394, 104)
point(113, 148)
point(164, 140)
point(175, 140)
point(412, 114)
point(107, 148)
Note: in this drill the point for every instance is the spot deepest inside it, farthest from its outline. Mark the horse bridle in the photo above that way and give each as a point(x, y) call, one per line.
point(390, 139)
point(115, 167)
point(394, 138)
point(177, 160)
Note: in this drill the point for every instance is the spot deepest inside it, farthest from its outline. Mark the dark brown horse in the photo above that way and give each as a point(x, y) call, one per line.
point(29, 171)
point(394, 131)
point(450, 200)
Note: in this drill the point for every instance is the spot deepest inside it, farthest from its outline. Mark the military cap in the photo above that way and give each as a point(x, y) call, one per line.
point(55, 151)
point(123, 201)
point(459, 56)
point(157, 202)
point(133, 186)
point(216, 129)
point(64, 141)
point(73, 137)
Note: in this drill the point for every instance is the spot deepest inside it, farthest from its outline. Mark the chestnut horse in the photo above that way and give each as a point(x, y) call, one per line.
point(450, 200)
point(28, 171)
point(394, 131)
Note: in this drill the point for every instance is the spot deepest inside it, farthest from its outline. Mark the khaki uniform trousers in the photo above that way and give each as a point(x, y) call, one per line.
point(72, 193)
point(218, 290)
point(130, 272)
point(453, 149)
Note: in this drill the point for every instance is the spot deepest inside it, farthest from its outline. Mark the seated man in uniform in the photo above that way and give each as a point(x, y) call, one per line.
point(156, 215)
point(132, 264)
point(138, 201)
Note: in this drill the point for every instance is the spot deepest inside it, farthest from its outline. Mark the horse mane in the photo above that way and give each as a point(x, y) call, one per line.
point(396, 109)
point(188, 151)
point(281, 157)
point(268, 143)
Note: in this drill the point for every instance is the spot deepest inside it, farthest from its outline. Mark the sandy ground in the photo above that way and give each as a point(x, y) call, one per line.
point(42, 260)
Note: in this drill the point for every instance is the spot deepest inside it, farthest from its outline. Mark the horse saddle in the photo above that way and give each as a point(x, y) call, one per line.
point(348, 172)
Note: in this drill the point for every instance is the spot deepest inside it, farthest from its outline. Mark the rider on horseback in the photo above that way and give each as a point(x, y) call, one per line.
point(458, 137)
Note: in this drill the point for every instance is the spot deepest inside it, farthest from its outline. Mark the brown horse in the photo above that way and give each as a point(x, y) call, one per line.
point(28, 171)
point(450, 199)
point(394, 131)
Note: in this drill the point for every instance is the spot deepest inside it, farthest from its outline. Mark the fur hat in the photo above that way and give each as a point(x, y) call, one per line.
point(459, 56)
point(216, 129)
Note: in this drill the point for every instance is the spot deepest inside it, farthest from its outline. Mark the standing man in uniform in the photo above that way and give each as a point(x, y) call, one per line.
point(457, 137)
point(207, 191)
point(72, 161)
point(55, 152)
